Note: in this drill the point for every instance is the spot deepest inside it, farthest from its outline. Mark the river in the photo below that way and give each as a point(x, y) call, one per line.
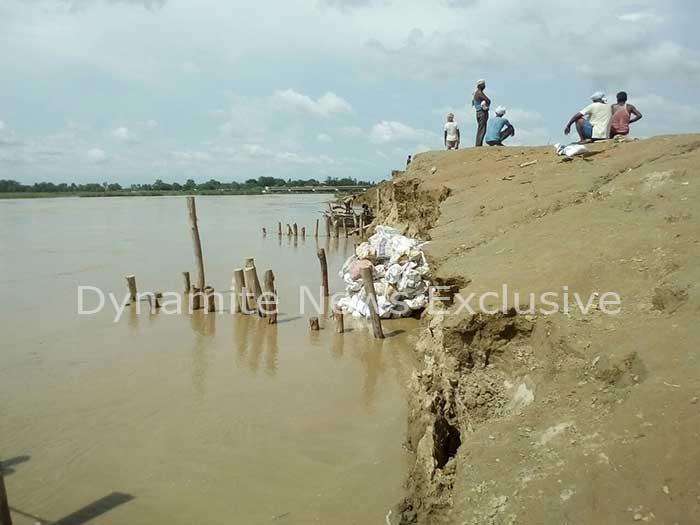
point(186, 419)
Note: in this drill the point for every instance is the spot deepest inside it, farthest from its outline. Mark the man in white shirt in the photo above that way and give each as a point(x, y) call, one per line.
point(451, 133)
point(593, 121)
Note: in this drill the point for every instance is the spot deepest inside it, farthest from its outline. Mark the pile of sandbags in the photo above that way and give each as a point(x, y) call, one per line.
point(399, 270)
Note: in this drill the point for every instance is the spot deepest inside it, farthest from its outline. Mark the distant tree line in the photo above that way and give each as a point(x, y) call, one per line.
point(190, 186)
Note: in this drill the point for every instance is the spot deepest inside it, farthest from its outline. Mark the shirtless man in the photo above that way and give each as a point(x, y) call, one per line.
point(623, 114)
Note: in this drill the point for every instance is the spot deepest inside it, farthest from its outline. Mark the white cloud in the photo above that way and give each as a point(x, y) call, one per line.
point(327, 105)
point(637, 17)
point(351, 131)
point(122, 135)
point(190, 68)
point(324, 137)
point(96, 156)
point(391, 131)
point(184, 157)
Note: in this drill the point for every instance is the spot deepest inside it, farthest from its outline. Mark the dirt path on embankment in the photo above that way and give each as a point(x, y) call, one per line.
point(570, 418)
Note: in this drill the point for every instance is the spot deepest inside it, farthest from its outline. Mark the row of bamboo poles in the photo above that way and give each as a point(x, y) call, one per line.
point(249, 295)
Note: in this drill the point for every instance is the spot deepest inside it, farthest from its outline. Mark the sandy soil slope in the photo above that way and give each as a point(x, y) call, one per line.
point(565, 418)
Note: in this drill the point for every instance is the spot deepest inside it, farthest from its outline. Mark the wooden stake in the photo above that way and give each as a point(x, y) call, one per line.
point(154, 300)
point(316, 231)
point(303, 232)
point(210, 299)
point(195, 298)
point(249, 261)
point(131, 285)
point(279, 229)
point(252, 284)
point(313, 324)
point(270, 296)
point(197, 242)
point(5, 517)
point(296, 229)
point(289, 230)
point(264, 232)
point(339, 322)
point(186, 279)
point(372, 302)
point(337, 229)
point(324, 271)
point(237, 286)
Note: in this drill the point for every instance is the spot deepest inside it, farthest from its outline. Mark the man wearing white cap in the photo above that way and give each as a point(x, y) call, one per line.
point(481, 104)
point(451, 132)
point(593, 121)
point(499, 128)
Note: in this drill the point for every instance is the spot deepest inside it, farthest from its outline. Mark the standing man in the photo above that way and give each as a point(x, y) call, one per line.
point(499, 128)
point(451, 132)
point(481, 104)
point(623, 114)
point(593, 121)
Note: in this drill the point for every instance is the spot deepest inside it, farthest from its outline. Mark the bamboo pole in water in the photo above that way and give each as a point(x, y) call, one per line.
point(131, 285)
point(5, 517)
point(372, 302)
point(197, 242)
point(210, 299)
point(316, 231)
point(279, 229)
point(253, 289)
point(339, 322)
point(264, 232)
point(196, 297)
point(303, 232)
point(187, 282)
point(237, 286)
point(270, 296)
point(295, 228)
point(324, 271)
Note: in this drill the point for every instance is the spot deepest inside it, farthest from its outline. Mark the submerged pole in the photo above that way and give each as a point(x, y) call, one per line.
point(131, 285)
point(197, 242)
point(5, 517)
point(237, 286)
point(270, 295)
point(372, 302)
point(339, 322)
point(324, 271)
point(186, 281)
point(316, 231)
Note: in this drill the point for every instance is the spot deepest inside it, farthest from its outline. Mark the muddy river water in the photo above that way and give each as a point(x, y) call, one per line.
point(188, 419)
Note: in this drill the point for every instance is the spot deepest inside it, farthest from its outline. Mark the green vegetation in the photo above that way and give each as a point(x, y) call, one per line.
point(11, 189)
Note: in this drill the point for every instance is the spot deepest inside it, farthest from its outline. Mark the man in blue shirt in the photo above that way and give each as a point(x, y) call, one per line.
point(499, 128)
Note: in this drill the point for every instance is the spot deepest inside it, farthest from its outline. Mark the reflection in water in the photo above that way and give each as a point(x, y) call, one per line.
point(271, 349)
point(338, 345)
point(204, 327)
point(240, 397)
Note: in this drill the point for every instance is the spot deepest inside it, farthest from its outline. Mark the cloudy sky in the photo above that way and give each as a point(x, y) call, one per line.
point(134, 90)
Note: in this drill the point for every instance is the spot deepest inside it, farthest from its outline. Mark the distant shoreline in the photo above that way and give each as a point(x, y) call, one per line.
point(154, 193)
